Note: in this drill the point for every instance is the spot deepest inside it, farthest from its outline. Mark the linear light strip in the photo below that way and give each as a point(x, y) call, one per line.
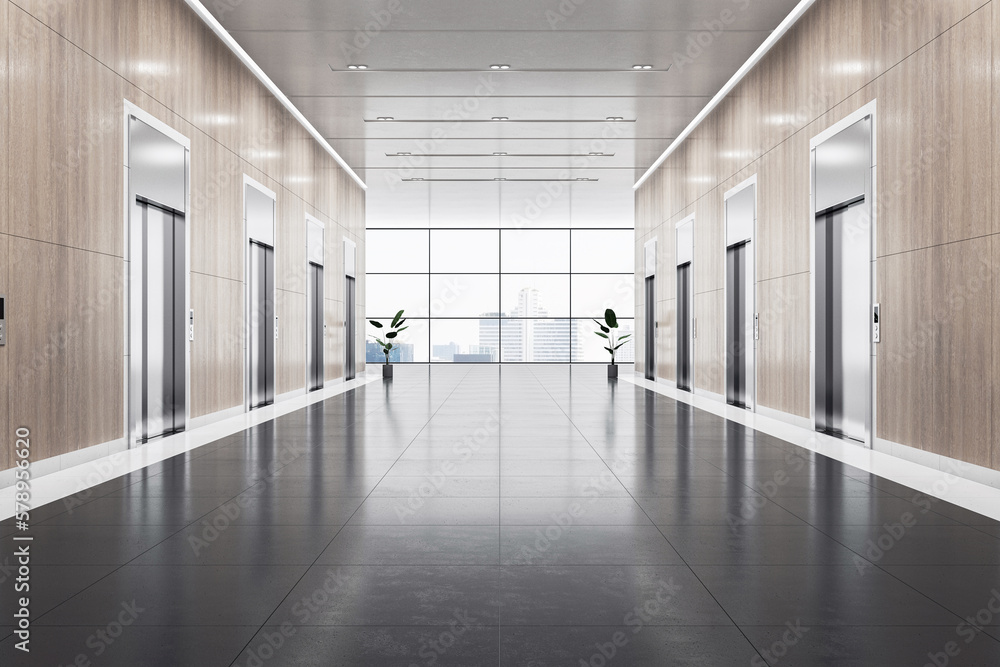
point(757, 56)
point(245, 58)
point(496, 155)
point(498, 122)
point(500, 180)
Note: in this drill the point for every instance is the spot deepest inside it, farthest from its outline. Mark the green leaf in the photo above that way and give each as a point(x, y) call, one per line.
point(395, 320)
point(624, 336)
point(388, 346)
point(392, 334)
point(610, 350)
point(402, 329)
point(611, 318)
point(380, 342)
point(400, 323)
point(619, 345)
point(600, 334)
point(377, 325)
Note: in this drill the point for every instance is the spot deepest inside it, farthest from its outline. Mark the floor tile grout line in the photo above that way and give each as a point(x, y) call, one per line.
point(665, 539)
point(320, 555)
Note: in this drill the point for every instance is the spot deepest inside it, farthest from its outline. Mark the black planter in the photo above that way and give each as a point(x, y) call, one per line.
point(387, 372)
point(612, 371)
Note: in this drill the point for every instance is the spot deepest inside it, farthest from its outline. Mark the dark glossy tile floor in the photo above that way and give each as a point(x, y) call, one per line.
point(523, 516)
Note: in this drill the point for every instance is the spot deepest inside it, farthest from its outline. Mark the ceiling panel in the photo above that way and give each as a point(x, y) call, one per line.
point(429, 61)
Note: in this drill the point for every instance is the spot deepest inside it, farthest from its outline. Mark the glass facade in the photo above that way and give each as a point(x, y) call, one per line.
point(501, 295)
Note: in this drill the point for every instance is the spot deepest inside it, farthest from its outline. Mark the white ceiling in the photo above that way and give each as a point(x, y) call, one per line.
point(429, 68)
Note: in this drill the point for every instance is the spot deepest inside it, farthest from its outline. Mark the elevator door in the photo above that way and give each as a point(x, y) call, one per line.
point(650, 346)
point(161, 235)
point(261, 308)
point(317, 376)
point(684, 327)
point(843, 301)
point(739, 325)
point(349, 330)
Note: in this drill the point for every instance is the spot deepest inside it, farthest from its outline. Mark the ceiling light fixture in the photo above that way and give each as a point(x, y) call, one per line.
point(499, 66)
point(385, 119)
point(499, 179)
point(615, 119)
point(357, 67)
point(500, 118)
point(500, 154)
point(640, 67)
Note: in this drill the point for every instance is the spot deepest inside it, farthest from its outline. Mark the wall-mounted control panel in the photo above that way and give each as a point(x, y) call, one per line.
point(876, 323)
point(191, 324)
point(3, 319)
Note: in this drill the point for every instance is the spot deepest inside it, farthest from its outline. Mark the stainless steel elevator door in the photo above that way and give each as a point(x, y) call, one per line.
point(314, 327)
point(261, 320)
point(739, 325)
point(650, 346)
point(843, 300)
point(684, 327)
point(163, 387)
point(349, 328)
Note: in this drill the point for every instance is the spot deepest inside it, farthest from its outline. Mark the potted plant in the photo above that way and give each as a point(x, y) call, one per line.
point(386, 342)
point(609, 332)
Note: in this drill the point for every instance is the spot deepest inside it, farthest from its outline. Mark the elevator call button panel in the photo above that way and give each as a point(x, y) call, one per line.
point(3, 320)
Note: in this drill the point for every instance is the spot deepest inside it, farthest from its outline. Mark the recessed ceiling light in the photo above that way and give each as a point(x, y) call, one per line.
point(385, 118)
point(615, 118)
point(357, 67)
point(499, 66)
point(500, 118)
point(403, 154)
point(597, 154)
point(499, 154)
point(642, 67)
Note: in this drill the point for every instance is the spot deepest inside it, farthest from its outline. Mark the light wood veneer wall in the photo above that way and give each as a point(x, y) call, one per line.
point(67, 66)
point(933, 66)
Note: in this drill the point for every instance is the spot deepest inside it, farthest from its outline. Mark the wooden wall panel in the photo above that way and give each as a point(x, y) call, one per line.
point(4, 119)
point(783, 349)
point(709, 346)
point(709, 243)
point(935, 138)
point(905, 26)
point(909, 338)
point(291, 346)
point(6, 442)
point(333, 354)
point(68, 366)
point(962, 300)
point(217, 235)
point(783, 210)
point(217, 352)
point(995, 463)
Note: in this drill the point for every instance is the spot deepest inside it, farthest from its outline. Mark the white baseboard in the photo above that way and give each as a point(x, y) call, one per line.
point(788, 417)
point(68, 460)
point(946, 464)
point(205, 420)
point(709, 394)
